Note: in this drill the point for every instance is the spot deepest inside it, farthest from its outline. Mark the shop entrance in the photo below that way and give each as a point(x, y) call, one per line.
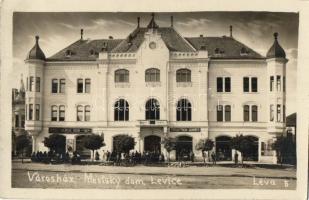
point(80, 149)
point(184, 148)
point(152, 144)
point(223, 148)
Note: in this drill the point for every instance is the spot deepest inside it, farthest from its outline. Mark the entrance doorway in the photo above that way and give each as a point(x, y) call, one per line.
point(223, 148)
point(252, 153)
point(80, 149)
point(184, 148)
point(152, 144)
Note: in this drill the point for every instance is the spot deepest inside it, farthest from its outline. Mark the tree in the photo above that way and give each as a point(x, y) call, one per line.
point(93, 142)
point(123, 143)
point(242, 144)
point(285, 149)
point(205, 145)
point(169, 144)
point(55, 142)
point(22, 142)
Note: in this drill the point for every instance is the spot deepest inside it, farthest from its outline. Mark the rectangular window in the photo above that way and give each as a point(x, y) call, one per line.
point(227, 84)
point(219, 113)
point(278, 83)
point(54, 86)
point(27, 84)
point(271, 83)
point(219, 84)
point(79, 113)
point(87, 113)
point(278, 113)
point(80, 85)
point(87, 85)
point(22, 121)
point(227, 113)
point(61, 113)
point(54, 113)
point(30, 111)
point(246, 113)
point(254, 84)
point(283, 113)
point(37, 84)
point(26, 111)
point(31, 83)
point(62, 86)
point(284, 84)
point(254, 113)
point(271, 113)
point(246, 84)
point(16, 121)
point(37, 112)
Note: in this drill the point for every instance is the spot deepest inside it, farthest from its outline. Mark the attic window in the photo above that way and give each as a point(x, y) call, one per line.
point(104, 47)
point(218, 52)
point(68, 53)
point(203, 47)
point(92, 52)
point(244, 51)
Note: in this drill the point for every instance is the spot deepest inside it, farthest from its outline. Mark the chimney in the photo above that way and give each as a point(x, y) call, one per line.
point(201, 35)
point(172, 21)
point(138, 20)
point(81, 33)
point(231, 31)
point(110, 37)
point(37, 39)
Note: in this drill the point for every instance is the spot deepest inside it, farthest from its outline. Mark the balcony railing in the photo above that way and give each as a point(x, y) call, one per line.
point(152, 123)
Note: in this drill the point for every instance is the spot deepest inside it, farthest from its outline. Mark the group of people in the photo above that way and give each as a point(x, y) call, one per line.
point(55, 157)
point(132, 157)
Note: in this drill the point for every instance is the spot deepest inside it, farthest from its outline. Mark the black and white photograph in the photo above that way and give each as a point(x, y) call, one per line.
point(171, 101)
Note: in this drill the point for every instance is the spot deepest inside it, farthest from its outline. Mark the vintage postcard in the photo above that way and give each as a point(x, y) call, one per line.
point(141, 103)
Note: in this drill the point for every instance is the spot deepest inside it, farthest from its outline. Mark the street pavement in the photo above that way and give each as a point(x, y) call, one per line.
point(36, 175)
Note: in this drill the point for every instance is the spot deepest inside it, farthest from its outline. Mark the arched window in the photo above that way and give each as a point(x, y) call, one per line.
point(61, 113)
point(184, 110)
point(246, 113)
point(183, 75)
point(152, 109)
point(87, 113)
point(79, 113)
point(54, 113)
point(121, 76)
point(121, 110)
point(152, 75)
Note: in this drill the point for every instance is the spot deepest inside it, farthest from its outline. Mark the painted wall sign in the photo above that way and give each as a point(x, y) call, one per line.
point(69, 130)
point(185, 129)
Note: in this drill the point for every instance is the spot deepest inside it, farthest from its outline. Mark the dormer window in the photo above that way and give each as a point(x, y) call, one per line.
point(203, 47)
point(92, 52)
point(218, 52)
point(68, 53)
point(244, 51)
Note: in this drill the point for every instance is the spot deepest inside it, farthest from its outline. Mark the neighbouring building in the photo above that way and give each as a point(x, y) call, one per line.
point(157, 83)
point(18, 113)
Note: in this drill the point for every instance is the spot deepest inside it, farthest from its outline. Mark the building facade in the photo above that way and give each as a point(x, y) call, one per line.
point(157, 83)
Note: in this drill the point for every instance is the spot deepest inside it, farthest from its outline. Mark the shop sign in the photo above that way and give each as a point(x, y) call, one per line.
point(185, 129)
point(69, 130)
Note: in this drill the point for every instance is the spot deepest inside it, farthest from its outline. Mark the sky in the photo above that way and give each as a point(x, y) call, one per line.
point(58, 30)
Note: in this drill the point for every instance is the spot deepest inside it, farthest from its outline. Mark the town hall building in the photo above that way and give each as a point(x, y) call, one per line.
point(157, 83)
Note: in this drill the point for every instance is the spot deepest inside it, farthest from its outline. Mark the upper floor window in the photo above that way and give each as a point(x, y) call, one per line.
point(279, 113)
point(271, 83)
point(37, 112)
point(271, 117)
point(121, 76)
point(30, 112)
point(121, 110)
point(79, 113)
point(152, 110)
point(83, 86)
point(183, 75)
point(83, 113)
point(61, 113)
point(23, 121)
point(253, 111)
point(283, 84)
point(278, 83)
point(54, 113)
point(247, 86)
point(223, 84)
point(58, 86)
point(37, 84)
point(223, 113)
point(184, 110)
point(87, 113)
point(16, 121)
point(152, 75)
point(31, 84)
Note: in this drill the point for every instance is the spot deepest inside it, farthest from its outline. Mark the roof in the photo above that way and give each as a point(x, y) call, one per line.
point(84, 50)
point(276, 51)
point(36, 52)
point(224, 48)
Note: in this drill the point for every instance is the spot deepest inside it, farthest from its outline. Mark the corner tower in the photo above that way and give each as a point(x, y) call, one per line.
point(35, 62)
point(276, 71)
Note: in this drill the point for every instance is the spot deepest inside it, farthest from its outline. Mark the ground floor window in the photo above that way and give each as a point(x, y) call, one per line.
point(223, 148)
point(184, 148)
